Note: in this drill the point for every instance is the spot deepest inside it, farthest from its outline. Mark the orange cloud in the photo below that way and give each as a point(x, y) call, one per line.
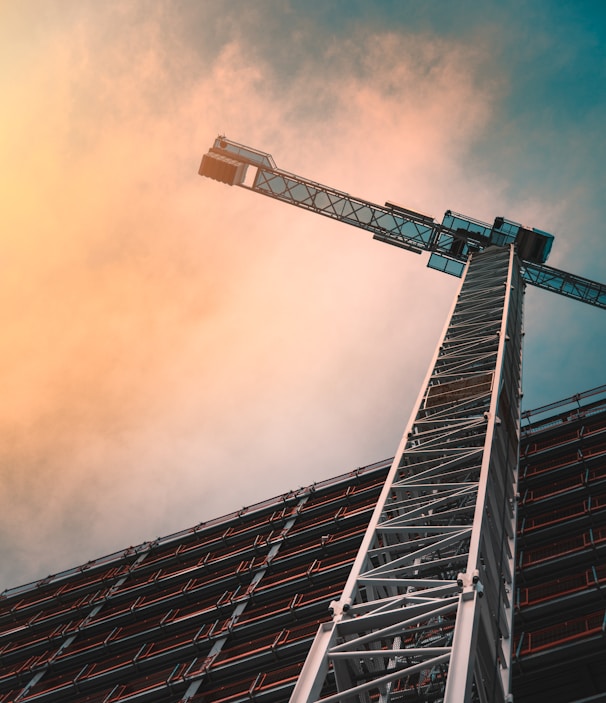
point(173, 348)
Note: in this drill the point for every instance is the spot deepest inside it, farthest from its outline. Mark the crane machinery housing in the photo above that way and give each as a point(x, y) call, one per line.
point(430, 594)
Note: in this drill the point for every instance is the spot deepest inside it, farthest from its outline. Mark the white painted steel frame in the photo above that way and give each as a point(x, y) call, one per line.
point(426, 613)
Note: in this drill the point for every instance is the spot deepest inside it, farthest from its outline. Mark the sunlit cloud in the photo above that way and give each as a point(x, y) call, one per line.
point(173, 348)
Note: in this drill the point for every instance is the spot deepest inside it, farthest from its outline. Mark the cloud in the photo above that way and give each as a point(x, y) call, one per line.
point(174, 348)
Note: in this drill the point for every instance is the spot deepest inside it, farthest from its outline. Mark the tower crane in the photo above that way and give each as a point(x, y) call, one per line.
point(427, 611)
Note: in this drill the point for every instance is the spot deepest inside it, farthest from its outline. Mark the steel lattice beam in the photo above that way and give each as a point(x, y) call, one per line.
point(450, 242)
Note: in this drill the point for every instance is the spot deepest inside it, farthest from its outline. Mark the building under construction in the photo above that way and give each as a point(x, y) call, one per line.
point(226, 611)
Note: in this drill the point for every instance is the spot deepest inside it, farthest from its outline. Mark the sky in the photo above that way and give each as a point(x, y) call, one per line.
point(173, 349)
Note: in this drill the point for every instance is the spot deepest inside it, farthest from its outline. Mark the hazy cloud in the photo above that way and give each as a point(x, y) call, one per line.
point(172, 348)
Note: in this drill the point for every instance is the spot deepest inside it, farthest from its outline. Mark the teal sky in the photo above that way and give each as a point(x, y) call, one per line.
point(174, 349)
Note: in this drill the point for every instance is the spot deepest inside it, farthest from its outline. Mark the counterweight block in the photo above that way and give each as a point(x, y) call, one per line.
point(222, 168)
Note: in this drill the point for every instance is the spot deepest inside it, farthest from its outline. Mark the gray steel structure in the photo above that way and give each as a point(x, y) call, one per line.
point(429, 598)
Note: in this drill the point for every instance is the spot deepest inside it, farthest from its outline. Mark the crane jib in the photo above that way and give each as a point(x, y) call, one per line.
point(343, 207)
point(450, 242)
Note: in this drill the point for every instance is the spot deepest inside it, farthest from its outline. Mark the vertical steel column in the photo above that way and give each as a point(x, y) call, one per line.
point(426, 613)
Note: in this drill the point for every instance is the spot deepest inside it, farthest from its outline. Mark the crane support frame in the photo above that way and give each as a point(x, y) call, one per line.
point(427, 608)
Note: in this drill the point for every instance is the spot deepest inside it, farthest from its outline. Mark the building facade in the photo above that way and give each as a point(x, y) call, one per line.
point(560, 646)
point(226, 611)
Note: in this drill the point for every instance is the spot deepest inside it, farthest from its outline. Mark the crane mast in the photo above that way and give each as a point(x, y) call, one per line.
point(427, 611)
